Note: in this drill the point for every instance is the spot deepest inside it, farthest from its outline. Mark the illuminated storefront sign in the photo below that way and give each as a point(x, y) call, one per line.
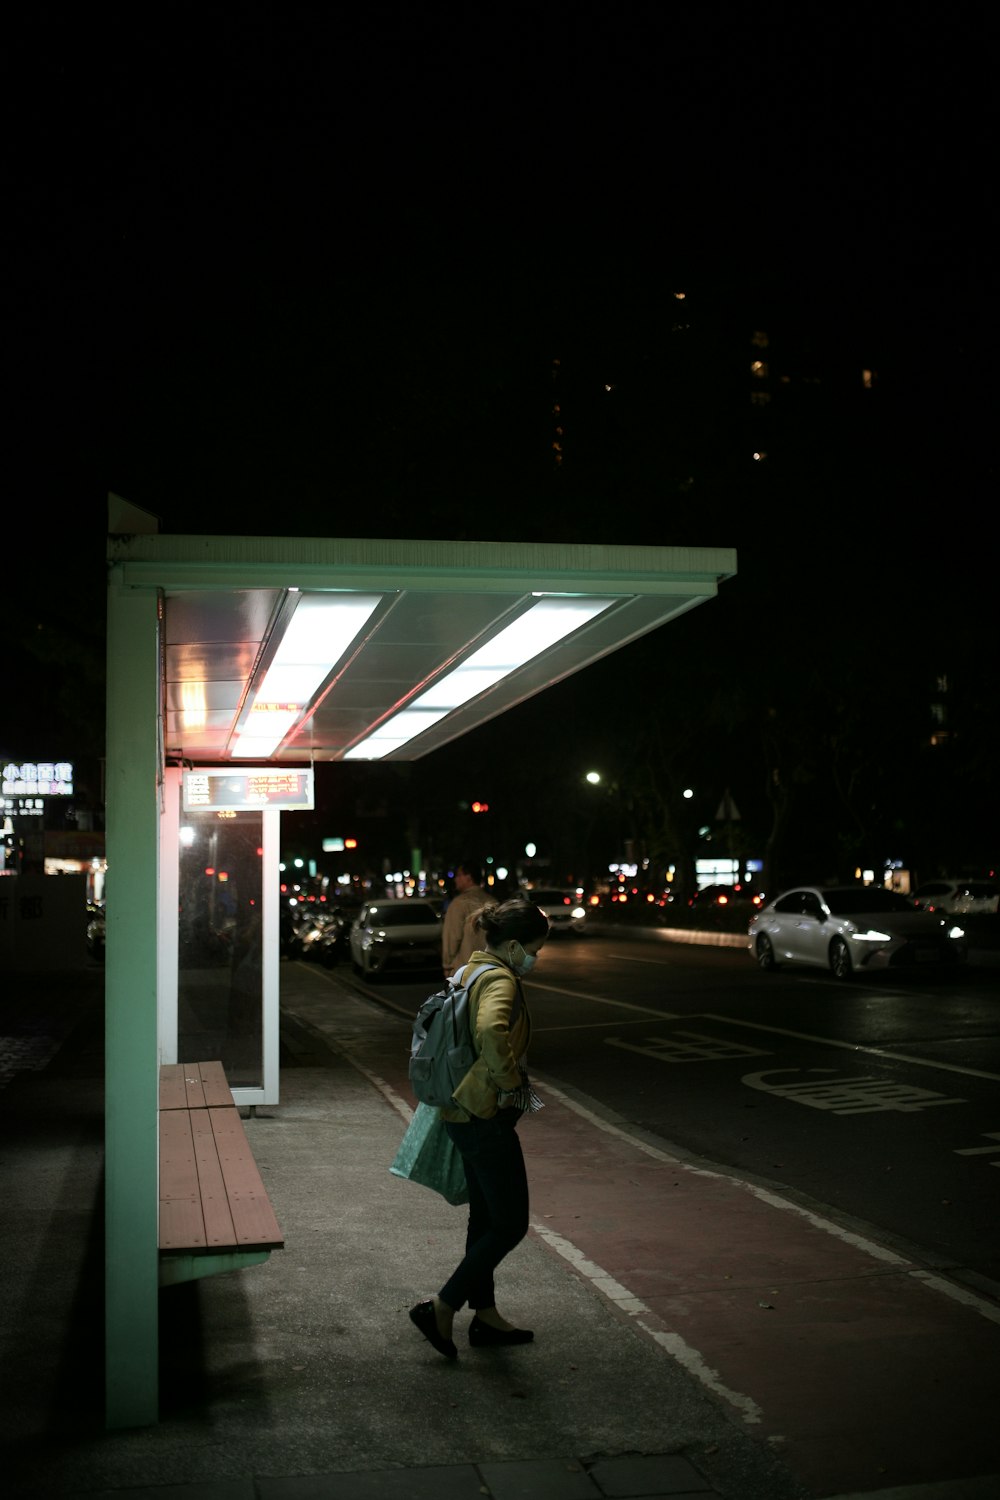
point(37, 779)
point(265, 786)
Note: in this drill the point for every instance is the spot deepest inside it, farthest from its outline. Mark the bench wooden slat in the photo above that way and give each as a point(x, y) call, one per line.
point(220, 1230)
point(193, 1086)
point(253, 1217)
point(182, 1221)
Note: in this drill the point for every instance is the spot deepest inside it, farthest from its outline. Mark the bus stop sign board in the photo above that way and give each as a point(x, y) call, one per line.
point(253, 787)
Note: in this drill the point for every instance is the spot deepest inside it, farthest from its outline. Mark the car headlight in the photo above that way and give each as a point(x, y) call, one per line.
point(956, 932)
point(578, 912)
point(872, 935)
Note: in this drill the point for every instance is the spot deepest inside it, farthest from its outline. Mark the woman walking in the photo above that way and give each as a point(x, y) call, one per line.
point(489, 1102)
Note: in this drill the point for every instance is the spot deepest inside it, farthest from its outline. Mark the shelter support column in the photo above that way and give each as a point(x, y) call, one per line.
point(131, 1060)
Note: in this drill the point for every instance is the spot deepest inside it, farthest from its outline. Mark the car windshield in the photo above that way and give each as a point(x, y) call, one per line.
point(402, 914)
point(865, 899)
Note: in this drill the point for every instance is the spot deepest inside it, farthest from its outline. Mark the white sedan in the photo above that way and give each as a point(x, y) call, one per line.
point(852, 928)
point(564, 910)
point(400, 934)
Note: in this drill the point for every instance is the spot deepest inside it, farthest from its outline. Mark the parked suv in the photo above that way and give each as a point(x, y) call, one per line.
point(958, 896)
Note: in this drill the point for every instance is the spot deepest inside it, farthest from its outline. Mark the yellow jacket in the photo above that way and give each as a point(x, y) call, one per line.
point(498, 1039)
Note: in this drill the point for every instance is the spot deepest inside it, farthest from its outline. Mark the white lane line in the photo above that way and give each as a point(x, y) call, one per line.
point(826, 1041)
point(859, 1242)
point(646, 1010)
point(674, 1345)
point(598, 1025)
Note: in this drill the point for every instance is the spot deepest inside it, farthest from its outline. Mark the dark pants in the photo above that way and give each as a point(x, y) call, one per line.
point(498, 1205)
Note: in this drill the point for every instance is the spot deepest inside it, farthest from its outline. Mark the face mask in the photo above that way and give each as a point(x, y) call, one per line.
point(520, 961)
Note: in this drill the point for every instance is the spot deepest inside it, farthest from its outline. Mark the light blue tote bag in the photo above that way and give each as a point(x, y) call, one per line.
point(428, 1155)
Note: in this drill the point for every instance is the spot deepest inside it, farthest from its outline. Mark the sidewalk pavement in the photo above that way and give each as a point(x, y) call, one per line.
point(695, 1335)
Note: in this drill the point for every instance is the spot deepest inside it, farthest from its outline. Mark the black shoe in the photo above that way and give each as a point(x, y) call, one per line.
point(423, 1317)
point(481, 1335)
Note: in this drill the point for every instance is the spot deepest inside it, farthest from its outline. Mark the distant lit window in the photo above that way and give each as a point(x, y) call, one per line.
point(868, 378)
point(760, 398)
point(759, 339)
point(759, 369)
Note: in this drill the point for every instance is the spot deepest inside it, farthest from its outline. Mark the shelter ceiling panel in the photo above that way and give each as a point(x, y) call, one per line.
point(192, 743)
point(358, 694)
point(211, 660)
point(213, 696)
point(396, 661)
point(196, 615)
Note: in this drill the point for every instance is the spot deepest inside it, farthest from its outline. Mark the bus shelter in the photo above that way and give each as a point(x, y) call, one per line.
point(235, 666)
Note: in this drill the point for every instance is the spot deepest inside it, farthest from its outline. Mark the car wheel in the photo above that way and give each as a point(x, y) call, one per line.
point(840, 959)
point(765, 954)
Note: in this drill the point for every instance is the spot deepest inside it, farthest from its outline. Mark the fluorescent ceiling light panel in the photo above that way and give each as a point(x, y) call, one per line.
point(315, 639)
point(458, 687)
point(318, 634)
point(324, 625)
point(533, 632)
point(265, 729)
point(528, 636)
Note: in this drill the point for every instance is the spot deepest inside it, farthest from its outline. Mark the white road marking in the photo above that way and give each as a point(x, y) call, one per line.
point(856, 1095)
point(988, 1135)
point(827, 1041)
point(689, 1046)
point(618, 1021)
point(646, 1010)
point(623, 1299)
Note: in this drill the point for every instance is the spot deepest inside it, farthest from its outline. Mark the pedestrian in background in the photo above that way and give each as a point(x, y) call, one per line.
point(458, 937)
point(488, 1103)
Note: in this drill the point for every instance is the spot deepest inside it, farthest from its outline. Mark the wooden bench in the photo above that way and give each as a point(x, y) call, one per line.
point(215, 1214)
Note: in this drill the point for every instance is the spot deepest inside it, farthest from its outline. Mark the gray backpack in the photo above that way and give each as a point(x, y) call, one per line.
point(441, 1047)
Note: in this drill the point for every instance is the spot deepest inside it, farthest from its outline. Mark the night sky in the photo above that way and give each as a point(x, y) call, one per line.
point(308, 275)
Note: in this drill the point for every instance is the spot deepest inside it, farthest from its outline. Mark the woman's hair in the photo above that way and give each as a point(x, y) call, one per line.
point(515, 921)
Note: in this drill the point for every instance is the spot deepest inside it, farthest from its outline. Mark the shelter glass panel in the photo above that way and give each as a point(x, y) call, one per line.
point(220, 943)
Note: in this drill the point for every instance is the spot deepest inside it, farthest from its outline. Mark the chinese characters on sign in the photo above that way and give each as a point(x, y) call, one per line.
point(46, 779)
point(266, 786)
